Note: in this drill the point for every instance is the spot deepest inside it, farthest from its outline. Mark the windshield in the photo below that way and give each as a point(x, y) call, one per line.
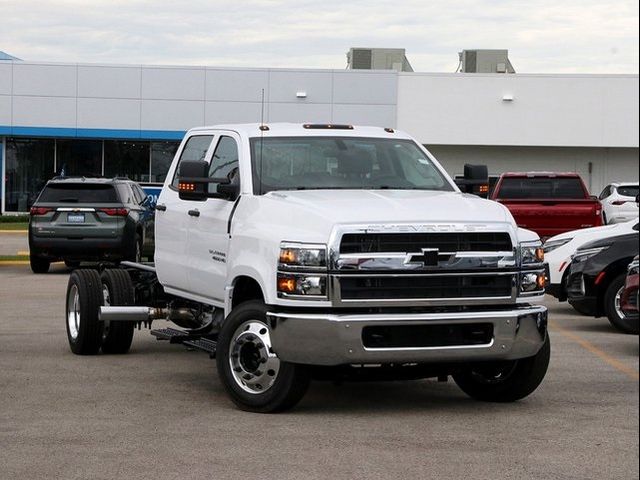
point(311, 163)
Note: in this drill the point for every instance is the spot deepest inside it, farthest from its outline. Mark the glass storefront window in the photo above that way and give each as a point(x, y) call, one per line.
point(162, 154)
point(29, 164)
point(126, 158)
point(79, 157)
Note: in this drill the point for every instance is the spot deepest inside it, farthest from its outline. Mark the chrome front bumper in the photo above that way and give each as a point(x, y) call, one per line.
point(336, 339)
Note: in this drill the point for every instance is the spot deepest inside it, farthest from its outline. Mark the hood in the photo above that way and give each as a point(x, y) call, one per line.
point(595, 232)
point(313, 213)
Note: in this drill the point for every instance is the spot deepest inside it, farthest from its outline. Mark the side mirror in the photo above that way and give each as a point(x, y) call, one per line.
point(194, 180)
point(475, 180)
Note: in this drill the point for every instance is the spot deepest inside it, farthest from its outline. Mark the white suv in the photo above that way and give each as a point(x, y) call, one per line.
point(619, 202)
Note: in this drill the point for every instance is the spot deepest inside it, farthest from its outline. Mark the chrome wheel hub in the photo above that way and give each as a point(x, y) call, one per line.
point(106, 301)
point(73, 312)
point(617, 303)
point(254, 365)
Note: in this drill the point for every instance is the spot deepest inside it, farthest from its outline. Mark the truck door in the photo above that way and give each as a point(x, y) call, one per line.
point(172, 219)
point(208, 241)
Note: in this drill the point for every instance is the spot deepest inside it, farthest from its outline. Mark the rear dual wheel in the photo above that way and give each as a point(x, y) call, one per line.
point(87, 291)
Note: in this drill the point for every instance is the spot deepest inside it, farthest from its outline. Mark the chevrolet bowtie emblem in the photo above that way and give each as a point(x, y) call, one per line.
point(428, 257)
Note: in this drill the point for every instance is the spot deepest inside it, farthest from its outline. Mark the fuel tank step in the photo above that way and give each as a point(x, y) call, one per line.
point(204, 344)
point(172, 334)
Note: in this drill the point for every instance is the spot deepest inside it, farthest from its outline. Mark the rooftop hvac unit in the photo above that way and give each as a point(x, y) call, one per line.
point(378, 59)
point(485, 61)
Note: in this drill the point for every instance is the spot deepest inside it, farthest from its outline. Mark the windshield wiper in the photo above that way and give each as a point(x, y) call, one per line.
point(68, 199)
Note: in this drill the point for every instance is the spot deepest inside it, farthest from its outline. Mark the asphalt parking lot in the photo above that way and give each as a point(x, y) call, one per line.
point(160, 411)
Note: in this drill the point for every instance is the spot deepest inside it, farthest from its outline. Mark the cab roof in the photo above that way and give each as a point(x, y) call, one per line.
point(304, 129)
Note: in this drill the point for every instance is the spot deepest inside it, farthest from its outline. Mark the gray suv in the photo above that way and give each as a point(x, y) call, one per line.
point(78, 219)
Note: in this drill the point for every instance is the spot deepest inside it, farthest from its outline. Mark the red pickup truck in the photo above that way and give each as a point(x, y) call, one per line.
point(548, 203)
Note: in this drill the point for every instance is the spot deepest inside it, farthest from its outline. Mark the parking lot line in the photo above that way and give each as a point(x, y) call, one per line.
point(2, 232)
point(13, 262)
point(621, 367)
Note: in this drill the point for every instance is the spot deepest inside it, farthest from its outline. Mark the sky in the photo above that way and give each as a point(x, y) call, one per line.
point(542, 36)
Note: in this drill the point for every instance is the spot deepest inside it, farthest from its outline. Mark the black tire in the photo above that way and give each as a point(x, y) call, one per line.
point(71, 264)
point(84, 298)
point(521, 377)
point(289, 384)
point(39, 264)
point(616, 316)
point(117, 336)
point(136, 255)
point(582, 310)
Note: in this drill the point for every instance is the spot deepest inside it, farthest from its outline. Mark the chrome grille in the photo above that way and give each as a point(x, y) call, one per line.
point(414, 242)
point(422, 265)
point(425, 287)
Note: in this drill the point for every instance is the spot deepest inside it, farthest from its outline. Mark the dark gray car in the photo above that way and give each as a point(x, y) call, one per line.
point(78, 219)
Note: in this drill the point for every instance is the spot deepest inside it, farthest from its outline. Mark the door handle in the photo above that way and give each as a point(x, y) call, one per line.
point(194, 213)
point(161, 207)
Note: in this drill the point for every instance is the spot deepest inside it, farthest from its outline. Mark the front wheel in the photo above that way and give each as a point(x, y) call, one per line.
point(252, 374)
point(613, 309)
point(506, 381)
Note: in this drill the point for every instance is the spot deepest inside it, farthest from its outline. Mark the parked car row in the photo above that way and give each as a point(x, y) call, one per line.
point(594, 270)
point(78, 219)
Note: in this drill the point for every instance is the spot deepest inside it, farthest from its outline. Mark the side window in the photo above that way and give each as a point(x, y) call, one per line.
point(195, 149)
point(126, 195)
point(605, 193)
point(224, 161)
point(139, 193)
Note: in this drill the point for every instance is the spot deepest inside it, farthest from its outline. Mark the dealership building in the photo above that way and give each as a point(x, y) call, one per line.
point(127, 120)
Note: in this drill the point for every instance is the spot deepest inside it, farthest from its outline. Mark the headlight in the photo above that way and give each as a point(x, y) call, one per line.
point(290, 284)
point(582, 255)
point(302, 271)
point(553, 244)
point(300, 256)
point(531, 253)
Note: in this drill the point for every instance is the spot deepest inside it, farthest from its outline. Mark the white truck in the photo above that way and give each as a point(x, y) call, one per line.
point(294, 252)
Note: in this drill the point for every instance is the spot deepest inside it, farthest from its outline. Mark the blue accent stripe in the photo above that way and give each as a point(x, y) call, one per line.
point(98, 133)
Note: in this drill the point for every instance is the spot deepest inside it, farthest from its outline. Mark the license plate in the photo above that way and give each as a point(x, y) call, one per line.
point(75, 217)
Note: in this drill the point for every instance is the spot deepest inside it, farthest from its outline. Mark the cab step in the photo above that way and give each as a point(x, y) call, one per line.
point(172, 334)
point(204, 344)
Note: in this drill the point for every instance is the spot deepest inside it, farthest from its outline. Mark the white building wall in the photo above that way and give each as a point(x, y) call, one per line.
point(546, 110)
point(596, 166)
point(130, 97)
